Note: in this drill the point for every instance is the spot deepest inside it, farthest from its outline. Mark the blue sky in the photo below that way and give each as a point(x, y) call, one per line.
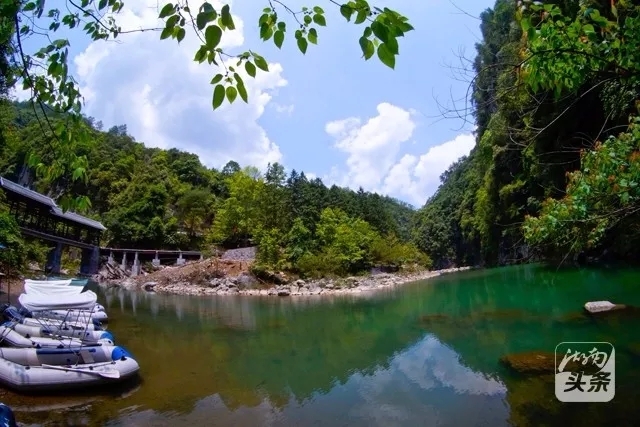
point(328, 113)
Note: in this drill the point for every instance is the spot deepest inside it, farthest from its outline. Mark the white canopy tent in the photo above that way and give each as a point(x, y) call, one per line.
point(42, 302)
point(62, 282)
point(53, 288)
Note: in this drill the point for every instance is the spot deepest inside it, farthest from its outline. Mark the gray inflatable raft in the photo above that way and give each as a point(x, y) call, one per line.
point(62, 356)
point(63, 377)
point(60, 331)
point(15, 339)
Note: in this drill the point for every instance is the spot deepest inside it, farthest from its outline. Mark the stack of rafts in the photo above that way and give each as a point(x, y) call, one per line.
point(56, 340)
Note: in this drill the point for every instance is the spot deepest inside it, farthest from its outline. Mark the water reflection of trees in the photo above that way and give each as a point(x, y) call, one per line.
point(249, 349)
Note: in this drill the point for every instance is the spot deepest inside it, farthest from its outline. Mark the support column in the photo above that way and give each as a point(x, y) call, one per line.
point(156, 261)
point(201, 257)
point(135, 270)
point(111, 260)
point(54, 260)
point(180, 260)
point(90, 261)
point(123, 266)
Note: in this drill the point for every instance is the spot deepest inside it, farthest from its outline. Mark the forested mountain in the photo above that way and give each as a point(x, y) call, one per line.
point(551, 174)
point(155, 198)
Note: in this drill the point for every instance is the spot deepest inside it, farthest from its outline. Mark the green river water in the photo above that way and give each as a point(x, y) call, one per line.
point(361, 360)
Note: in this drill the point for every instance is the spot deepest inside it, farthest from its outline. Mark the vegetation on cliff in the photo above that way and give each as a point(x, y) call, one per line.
point(554, 172)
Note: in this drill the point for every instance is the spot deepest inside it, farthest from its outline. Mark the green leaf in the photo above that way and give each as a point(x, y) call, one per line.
point(261, 63)
point(180, 34)
point(172, 21)
point(282, 26)
point(346, 11)
point(278, 38)
point(217, 79)
point(232, 94)
point(367, 47)
point(307, 19)
point(361, 16)
point(242, 90)
point(531, 34)
point(166, 33)
point(167, 10)
point(312, 36)
point(218, 96)
point(318, 9)
point(227, 20)
point(385, 56)
point(265, 31)
point(392, 45)
point(380, 31)
point(367, 32)
point(102, 4)
point(202, 19)
point(405, 27)
point(302, 45)
point(207, 7)
point(250, 68)
point(320, 20)
point(212, 36)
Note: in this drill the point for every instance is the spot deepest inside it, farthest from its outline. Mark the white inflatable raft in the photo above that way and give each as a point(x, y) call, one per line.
point(62, 356)
point(59, 330)
point(14, 315)
point(79, 316)
point(15, 339)
point(63, 377)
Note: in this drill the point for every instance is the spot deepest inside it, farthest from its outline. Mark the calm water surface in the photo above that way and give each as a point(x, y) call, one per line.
point(359, 361)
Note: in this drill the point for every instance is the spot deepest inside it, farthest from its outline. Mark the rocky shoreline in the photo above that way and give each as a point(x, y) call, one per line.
point(245, 285)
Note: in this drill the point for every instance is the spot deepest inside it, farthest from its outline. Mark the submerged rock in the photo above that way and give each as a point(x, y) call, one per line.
point(540, 362)
point(532, 362)
point(431, 318)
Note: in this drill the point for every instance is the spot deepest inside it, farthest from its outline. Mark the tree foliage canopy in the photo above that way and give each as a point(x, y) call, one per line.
point(46, 73)
point(150, 198)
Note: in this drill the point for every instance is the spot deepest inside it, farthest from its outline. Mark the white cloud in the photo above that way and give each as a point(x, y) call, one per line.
point(372, 147)
point(164, 97)
point(416, 178)
point(375, 161)
point(285, 110)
